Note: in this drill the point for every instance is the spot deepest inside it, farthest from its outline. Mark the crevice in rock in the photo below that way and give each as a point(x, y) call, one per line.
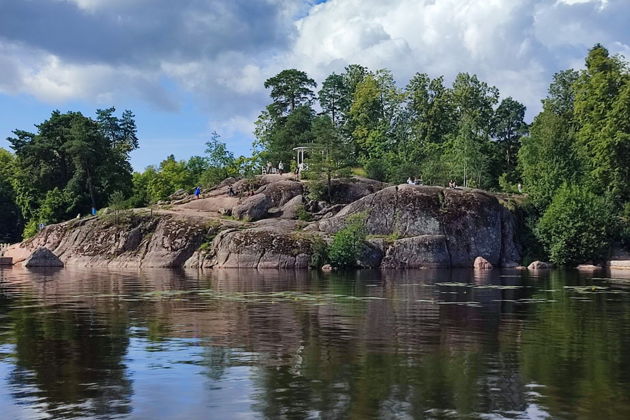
point(262, 254)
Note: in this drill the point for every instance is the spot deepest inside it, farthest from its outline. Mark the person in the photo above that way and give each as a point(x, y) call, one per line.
point(231, 192)
point(409, 181)
point(520, 188)
point(197, 192)
point(268, 167)
point(280, 168)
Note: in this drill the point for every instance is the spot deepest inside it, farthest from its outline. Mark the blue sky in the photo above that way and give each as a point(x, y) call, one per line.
point(189, 67)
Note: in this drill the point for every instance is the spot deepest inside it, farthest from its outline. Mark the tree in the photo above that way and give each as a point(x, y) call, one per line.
point(334, 98)
point(508, 126)
point(74, 154)
point(290, 89)
point(329, 155)
point(10, 222)
point(548, 156)
point(577, 227)
point(602, 110)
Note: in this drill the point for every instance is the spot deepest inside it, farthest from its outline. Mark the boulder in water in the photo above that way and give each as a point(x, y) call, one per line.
point(43, 257)
point(482, 264)
point(539, 265)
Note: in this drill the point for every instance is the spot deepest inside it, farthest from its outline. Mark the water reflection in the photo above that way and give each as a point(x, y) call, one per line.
point(273, 344)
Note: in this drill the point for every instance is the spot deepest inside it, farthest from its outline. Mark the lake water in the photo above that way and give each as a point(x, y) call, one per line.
point(238, 344)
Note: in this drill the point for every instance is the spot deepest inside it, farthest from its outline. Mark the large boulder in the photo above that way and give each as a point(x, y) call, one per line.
point(43, 257)
point(348, 190)
point(472, 223)
point(252, 208)
point(291, 207)
point(539, 265)
point(482, 264)
point(281, 191)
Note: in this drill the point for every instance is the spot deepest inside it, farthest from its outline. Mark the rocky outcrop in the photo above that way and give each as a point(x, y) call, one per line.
point(42, 257)
point(407, 227)
point(436, 227)
point(138, 240)
point(252, 208)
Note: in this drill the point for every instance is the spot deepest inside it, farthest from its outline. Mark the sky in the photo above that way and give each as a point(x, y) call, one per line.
point(190, 67)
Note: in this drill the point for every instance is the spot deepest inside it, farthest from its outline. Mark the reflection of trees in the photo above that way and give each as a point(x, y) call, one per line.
point(70, 360)
point(400, 355)
point(578, 350)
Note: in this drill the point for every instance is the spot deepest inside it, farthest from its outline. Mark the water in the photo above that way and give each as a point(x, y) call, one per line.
point(232, 344)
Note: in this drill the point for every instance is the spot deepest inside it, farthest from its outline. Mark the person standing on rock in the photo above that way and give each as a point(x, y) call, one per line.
point(280, 168)
point(197, 192)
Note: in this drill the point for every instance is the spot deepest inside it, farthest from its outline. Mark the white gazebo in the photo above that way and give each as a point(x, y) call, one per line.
point(300, 157)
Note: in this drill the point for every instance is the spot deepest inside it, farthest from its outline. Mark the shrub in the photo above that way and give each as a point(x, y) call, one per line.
point(577, 226)
point(376, 169)
point(319, 252)
point(348, 242)
point(317, 190)
point(303, 214)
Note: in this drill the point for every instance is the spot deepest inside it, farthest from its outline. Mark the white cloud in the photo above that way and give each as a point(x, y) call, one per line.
point(222, 52)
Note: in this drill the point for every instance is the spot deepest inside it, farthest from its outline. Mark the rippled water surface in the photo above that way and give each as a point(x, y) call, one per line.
point(266, 344)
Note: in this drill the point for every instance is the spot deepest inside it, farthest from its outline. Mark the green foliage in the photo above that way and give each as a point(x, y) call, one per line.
point(30, 229)
point(304, 215)
point(577, 226)
point(348, 242)
point(10, 219)
point(319, 252)
point(376, 169)
point(72, 164)
point(317, 190)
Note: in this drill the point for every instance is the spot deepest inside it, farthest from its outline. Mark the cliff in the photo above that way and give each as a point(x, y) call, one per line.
point(408, 227)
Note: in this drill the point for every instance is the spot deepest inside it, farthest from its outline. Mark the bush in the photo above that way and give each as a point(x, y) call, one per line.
point(577, 226)
point(376, 169)
point(319, 252)
point(303, 214)
point(317, 190)
point(348, 242)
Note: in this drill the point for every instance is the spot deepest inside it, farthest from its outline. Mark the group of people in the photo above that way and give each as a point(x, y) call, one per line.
point(414, 181)
point(452, 184)
point(269, 169)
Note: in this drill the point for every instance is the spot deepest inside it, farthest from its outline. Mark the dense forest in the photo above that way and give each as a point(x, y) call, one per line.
point(573, 161)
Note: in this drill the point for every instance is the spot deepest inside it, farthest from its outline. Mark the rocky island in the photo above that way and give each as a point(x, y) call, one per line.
point(268, 222)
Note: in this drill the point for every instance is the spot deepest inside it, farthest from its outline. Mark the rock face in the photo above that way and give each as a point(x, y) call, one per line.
point(348, 190)
point(437, 227)
point(252, 208)
point(255, 248)
point(42, 257)
point(136, 241)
